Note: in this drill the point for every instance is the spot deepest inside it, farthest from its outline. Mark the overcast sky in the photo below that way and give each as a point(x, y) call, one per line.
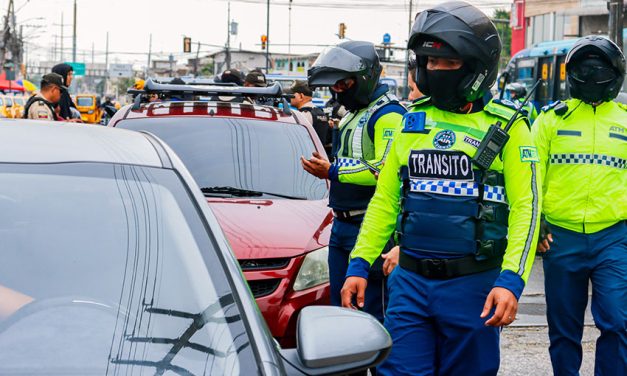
point(130, 23)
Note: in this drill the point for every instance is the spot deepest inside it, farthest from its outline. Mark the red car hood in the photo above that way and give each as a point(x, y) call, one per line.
point(263, 228)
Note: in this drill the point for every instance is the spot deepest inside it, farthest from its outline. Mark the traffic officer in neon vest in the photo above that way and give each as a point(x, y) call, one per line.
point(517, 93)
point(352, 70)
point(467, 228)
point(582, 144)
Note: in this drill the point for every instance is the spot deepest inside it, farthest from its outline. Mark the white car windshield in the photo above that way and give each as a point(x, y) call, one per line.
point(109, 269)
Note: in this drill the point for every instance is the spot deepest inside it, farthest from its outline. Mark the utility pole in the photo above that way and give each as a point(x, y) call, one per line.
point(615, 22)
point(92, 53)
point(227, 58)
point(268, 38)
point(171, 60)
point(61, 59)
point(411, 20)
point(74, 37)
point(106, 85)
point(289, 39)
point(196, 60)
point(149, 55)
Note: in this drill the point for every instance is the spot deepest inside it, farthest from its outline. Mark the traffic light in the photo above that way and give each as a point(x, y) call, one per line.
point(342, 31)
point(187, 44)
point(264, 40)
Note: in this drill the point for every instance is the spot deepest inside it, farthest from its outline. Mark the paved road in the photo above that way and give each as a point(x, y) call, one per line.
point(524, 345)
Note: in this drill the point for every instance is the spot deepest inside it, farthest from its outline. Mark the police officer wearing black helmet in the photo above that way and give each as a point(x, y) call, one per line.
point(582, 143)
point(352, 70)
point(466, 223)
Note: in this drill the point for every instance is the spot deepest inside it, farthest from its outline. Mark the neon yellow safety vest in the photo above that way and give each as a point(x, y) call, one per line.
point(583, 150)
point(437, 152)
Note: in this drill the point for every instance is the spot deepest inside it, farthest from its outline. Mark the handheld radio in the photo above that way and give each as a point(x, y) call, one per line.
point(496, 137)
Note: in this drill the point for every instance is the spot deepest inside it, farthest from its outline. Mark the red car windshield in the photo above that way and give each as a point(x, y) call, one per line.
point(251, 155)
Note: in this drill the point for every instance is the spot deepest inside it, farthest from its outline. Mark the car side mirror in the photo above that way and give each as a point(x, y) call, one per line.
point(333, 340)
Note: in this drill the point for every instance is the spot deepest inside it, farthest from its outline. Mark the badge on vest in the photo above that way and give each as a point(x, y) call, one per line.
point(388, 133)
point(444, 139)
point(440, 165)
point(529, 154)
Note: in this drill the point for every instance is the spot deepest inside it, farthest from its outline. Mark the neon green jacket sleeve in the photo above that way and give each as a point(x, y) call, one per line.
point(380, 219)
point(524, 195)
point(360, 174)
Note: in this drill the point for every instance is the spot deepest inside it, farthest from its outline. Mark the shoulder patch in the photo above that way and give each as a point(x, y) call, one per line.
point(558, 107)
point(529, 154)
point(501, 108)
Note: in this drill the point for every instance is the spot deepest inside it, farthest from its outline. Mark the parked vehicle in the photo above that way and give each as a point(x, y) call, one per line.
point(246, 159)
point(89, 107)
point(112, 263)
point(6, 106)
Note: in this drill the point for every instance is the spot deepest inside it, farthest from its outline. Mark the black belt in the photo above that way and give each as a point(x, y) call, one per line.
point(447, 268)
point(348, 214)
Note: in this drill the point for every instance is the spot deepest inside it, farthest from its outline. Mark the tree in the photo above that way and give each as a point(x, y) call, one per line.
point(501, 21)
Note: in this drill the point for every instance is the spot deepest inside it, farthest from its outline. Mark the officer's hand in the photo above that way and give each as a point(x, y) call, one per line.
point(506, 307)
point(354, 286)
point(391, 260)
point(317, 166)
point(545, 238)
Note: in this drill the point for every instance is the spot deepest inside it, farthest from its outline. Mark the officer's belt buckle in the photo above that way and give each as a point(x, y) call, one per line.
point(435, 268)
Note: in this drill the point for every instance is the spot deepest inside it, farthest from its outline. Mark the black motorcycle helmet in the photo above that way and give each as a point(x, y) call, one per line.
point(517, 90)
point(595, 68)
point(457, 29)
point(351, 59)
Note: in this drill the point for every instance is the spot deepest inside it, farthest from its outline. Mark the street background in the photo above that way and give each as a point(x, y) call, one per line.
point(525, 344)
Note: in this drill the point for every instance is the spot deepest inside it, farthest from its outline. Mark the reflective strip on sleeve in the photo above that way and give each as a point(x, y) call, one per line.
point(534, 221)
point(598, 159)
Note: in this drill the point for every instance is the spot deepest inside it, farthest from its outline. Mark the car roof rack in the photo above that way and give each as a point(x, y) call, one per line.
point(193, 81)
point(190, 89)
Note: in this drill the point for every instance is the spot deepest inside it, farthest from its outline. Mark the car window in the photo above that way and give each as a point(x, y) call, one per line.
point(19, 101)
point(84, 101)
point(8, 101)
point(248, 154)
point(109, 269)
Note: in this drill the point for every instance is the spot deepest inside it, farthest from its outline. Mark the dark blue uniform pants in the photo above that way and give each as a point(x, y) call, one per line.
point(343, 238)
point(573, 260)
point(436, 328)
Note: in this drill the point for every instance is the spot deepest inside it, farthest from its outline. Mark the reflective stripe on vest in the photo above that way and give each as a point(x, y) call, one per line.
point(359, 141)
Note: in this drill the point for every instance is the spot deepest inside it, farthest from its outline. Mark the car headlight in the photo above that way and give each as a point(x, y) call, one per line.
point(90, 112)
point(314, 271)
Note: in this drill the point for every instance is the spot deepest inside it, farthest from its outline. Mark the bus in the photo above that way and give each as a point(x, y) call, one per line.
point(545, 61)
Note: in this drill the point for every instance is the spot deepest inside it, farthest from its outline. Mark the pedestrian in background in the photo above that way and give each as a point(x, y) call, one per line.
point(67, 108)
point(41, 106)
point(302, 97)
point(582, 144)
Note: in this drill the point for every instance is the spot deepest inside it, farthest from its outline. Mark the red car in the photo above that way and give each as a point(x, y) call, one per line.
point(245, 158)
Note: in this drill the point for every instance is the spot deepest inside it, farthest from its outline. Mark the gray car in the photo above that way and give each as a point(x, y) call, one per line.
point(112, 263)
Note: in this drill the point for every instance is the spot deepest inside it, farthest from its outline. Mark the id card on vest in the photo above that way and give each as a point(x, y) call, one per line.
point(440, 165)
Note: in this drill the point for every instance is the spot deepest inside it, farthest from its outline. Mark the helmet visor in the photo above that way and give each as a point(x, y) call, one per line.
point(337, 58)
point(588, 71)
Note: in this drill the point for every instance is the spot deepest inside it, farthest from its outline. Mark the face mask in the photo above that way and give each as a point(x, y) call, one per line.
point(443, 88)
point(348, 98)
point(591, 80)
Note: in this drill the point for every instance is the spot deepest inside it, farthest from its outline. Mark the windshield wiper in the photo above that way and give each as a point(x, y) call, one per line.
point(199, 320)
point(210, 191)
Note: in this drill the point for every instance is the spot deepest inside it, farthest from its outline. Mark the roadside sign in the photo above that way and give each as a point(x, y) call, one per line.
point(387, 38)
point(79, 68)
point(120, 70)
